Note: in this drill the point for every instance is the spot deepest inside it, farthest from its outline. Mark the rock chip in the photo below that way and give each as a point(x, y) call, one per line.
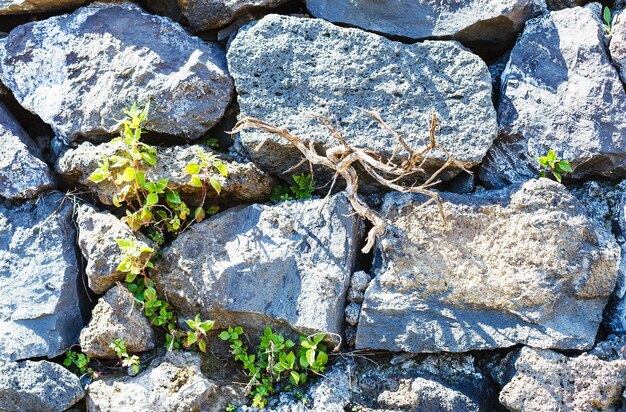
point(40, 314)
point(23, 174)
point(352, 312)
point(561, 92)
point(40, 386)
point(286, 265)
point(97, 234)
point(116, 316)
point(360, 280)
point(548, 381)
point(211, 14)
point(174, 383)
point(78, 71)
point(245, 182)
point(480, 284)
point(287, 67)
point(484, 23)
point(37, 6)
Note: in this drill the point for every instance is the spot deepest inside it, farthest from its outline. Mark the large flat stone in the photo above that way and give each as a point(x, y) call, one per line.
point(287, 266)
point(528, 266)
point(40, 312)
point(561, 92)
point(78, 71)
point(286, 68)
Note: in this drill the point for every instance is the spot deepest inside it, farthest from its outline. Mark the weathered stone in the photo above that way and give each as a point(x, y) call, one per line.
point(355, 296)
point(352, 313)
point(22, 173)
point(39, 275)
point(561, 92)
point(360, 280)
point(102, 58)
point(478, 285)
point(286, 265)
point(490, 24)
point(37, 386)
point(548, 381)
point(211, 14)
point(37, 6)
point(97, 235)
point(425, 394)
point(562, 4)
point(286, 68)
point(174, 383)
point(245, 182)
point(116, 316)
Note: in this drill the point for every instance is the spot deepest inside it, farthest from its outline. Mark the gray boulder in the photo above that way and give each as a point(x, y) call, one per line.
point(173, 383)
point(40, 314)
point(561, 92)
point(211, 14)
point(23, 174)
point(484, 23)
point(478, 284)
point(8, 7)
point(617, 46)
point(286, 265)
point(548, 381)
point(97, 234)
point(40, 386)
point(286, 68)
point(102, 58)
point(245, 183)
point(116, 316)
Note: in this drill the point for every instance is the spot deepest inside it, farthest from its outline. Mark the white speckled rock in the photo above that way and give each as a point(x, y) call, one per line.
point(548, 381)
point(561, 92)
point(487, 23)
point(23, 174)
point(116, 316)
point(287, 265)
point(40, 386)
point(40, 312)
point(287, 67)
point(37, 6)
point(78, 71)
point(479, 284)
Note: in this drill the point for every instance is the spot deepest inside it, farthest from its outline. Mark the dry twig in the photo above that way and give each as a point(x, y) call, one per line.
point(342, 159)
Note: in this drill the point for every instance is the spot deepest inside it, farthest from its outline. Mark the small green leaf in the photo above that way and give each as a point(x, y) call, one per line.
point(216, 184)
point(124, 266)
point(295, 376)
point(199, 214)
point(224, 335)
point(152, 199)
point(202, 346)
point(557, 175)
point(129, 174)
point(173, 197)
point(191, 338)
point(607, 15)
point(98, 176)
point(322, 358)
point(195, 181)
point(565, 166)
point(221, 167)
point(192, 169)
point(149, 158)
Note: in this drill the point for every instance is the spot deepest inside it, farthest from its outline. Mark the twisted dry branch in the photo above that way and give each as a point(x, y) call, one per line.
point(343, 157)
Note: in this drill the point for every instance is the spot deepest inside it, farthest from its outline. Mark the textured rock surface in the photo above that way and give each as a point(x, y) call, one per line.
point(39, 276)
point(211, 14)
point(78, 71)
point(287, 67)
point(97, 234)
point(245, 182)
point(559, 91)
point(490, 23)
point(22, 173)
point(299, 254)
point(174, 384)
point(37, 6)
point(37, 386)
point(617, 46)
point(478, 286)
point(116, 316)
point(561, 4)
point(548, 381)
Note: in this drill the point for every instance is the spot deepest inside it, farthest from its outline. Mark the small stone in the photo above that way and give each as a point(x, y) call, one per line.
point(116, 316)
point(352, 312)
point(40, 386)
point(360, 280)
point(355, 296)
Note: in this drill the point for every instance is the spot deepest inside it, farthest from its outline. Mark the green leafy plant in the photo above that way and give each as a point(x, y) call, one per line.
point(197, 334)
point(201, 172)
point(78, 362)
point(135, 258)
point(552, 164)
point(609, 20)
point(128, 361)
point(275, 365)
point(303, 188)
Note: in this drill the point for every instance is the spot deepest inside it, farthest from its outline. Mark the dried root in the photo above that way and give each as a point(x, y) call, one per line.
point(342, 158)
